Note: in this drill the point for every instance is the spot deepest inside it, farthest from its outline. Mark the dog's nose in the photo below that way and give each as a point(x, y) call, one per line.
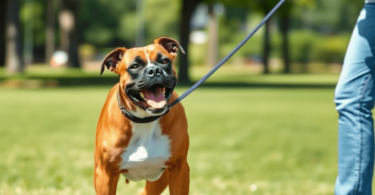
point(158, 71)
point(152, 71)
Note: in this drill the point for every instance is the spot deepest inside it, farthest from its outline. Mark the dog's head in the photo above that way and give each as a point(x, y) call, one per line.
point(147, 75)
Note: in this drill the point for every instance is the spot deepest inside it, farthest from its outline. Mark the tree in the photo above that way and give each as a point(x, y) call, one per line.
point(212, 36)
point(348, 13)
point(50, 31)
point(68, 19)
point(285, 12)
point(284, 20)
point(284, 23)
point(266, 47)
point(188, 7)
point(264, 7)
point(3, 5)
point(13, 59)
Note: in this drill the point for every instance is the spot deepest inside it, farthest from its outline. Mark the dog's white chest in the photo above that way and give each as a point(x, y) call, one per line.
point(146, 154)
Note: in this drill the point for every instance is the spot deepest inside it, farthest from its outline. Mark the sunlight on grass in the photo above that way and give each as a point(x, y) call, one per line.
point(283, 141)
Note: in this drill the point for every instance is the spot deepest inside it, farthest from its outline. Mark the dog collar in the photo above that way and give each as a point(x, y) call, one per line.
point(133, 118)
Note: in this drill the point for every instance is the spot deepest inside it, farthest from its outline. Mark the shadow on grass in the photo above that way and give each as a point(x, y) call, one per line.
point(263, 85)
point(91, 80)
point(62, 81)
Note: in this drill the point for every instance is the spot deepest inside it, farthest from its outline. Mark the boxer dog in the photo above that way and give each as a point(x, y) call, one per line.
point(135, 136)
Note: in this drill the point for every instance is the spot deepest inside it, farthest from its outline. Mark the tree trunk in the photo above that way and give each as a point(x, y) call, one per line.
point(50, 31)
point(3, 6)
point(28, 35)
point(188, 7)
point(266, 47)
point(13, 59)
point(70, 7)
point(212, 37)
point(285, 46)
point(140, 27)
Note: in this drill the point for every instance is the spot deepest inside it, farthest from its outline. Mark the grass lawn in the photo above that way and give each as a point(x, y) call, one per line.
point(246, 140)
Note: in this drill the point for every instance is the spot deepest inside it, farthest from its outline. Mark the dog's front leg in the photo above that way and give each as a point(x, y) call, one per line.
point(105, 181)
point(179, 179)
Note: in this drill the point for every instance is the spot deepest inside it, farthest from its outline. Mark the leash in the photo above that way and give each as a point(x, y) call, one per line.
point(135, 119)
point(229, 55)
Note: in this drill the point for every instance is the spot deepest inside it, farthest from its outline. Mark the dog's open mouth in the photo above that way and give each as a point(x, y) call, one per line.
point(155, 96)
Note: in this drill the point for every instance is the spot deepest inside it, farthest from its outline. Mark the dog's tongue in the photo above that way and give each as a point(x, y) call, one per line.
point(155, 98)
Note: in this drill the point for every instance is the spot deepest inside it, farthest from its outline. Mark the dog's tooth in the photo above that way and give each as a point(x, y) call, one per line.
point(120, 56)
point(142, 95)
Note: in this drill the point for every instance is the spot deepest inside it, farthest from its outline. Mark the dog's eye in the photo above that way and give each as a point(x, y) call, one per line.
point(165, 61)
point(135, 66)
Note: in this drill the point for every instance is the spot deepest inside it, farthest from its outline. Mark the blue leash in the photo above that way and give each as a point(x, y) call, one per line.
point(229, 55)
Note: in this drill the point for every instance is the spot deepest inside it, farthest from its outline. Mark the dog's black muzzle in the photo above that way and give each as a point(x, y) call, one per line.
point(152, 78)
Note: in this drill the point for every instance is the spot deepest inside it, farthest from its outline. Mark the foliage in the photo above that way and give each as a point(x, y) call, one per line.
point(112, 23)
point(116, 21)
point(34, 14)
point(100, 20)
point(162, 18)
point(305, 46)
point(331, 49)
point(327, 17)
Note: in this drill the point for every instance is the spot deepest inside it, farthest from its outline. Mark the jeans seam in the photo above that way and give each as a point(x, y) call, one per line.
point(367, 78)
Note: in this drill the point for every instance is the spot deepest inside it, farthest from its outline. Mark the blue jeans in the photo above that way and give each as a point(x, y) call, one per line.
point(354, 98)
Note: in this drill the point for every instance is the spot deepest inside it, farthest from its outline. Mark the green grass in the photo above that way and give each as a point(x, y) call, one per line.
point(283, 140)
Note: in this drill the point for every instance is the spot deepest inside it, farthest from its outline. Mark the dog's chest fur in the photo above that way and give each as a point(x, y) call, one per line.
point(147, 152)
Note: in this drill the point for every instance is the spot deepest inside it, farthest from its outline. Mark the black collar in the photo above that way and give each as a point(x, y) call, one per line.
point(133, 118)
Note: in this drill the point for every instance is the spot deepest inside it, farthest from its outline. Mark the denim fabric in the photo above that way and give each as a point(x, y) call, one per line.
point(354, 98)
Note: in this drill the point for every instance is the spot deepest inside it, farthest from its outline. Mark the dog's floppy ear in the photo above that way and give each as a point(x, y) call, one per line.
point(112, 60)
point(170, 45)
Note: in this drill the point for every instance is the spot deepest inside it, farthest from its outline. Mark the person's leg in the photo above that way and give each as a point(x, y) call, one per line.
point(354, 97)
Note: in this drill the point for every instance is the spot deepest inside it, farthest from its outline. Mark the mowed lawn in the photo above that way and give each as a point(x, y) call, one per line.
point(248, 140)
